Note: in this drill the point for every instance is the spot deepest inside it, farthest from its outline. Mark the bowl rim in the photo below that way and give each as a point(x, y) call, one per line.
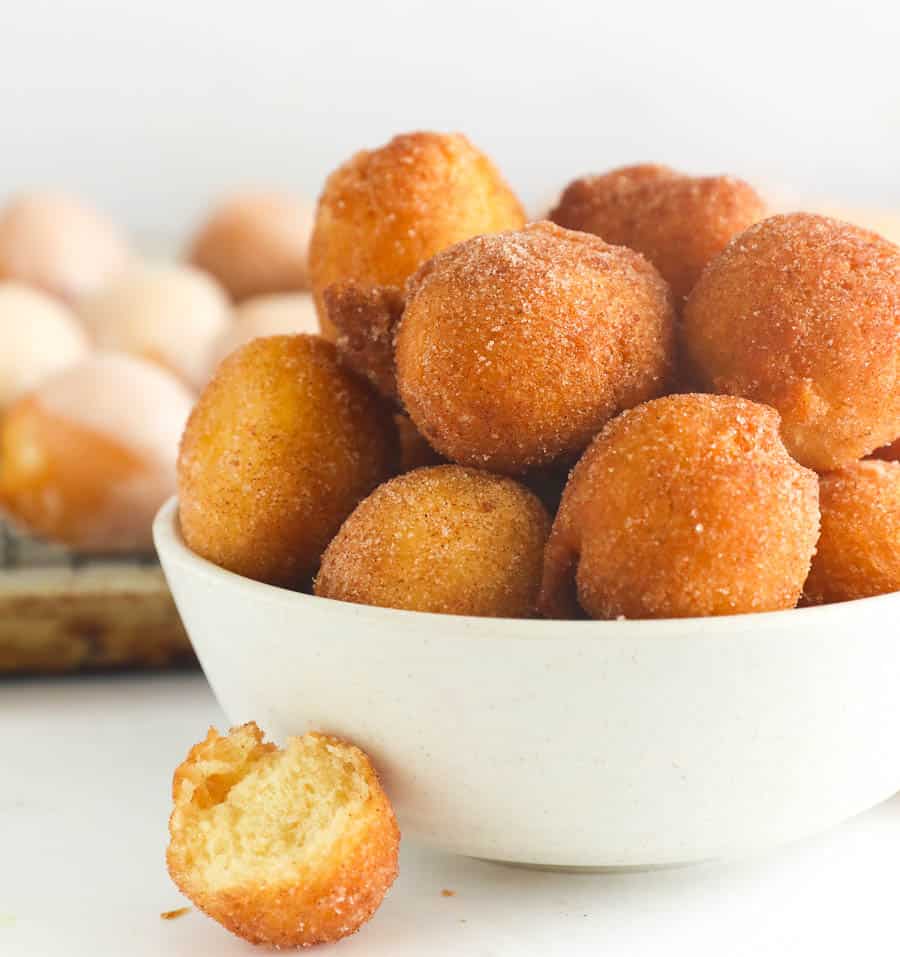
point(172, 548)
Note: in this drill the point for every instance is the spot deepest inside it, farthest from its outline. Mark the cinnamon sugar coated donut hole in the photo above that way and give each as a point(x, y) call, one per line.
point(515, 348)
point(386, 211)
point(687, 505)
point(800, 312)
point(256, 243)
point(858, 554)
point(678, 222)
point(89, 457)
point(284, 847)
point(53, 242)
point(170, 314)
point(446, 539)
point(38, 336)
point(281, 446)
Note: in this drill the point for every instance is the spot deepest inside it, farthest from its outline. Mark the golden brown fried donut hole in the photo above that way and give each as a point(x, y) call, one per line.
point(800, 312)
point(284, 847)
point(688, 505)
point(386, 211)
point(445, 539)
point(255, 244)
point(678, 222)
point(281, 446)
point(858, 554)
point(515, 348)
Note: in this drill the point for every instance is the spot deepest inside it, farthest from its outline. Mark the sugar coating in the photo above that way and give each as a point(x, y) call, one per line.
point(272, 315)
point(167, 313)
point(802, 312)
point(38, 337)
point(127, 400)
point(515, 348)
point(286, 847)
point(281, 446)
point(445, 539)
point(884, 222)
point(52, 241)
point(255, 243)
point(678, 222)
point(386, 211)
point(858, 554)
point(685, 506)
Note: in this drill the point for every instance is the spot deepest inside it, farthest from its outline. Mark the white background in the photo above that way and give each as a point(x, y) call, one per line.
point(153, 108)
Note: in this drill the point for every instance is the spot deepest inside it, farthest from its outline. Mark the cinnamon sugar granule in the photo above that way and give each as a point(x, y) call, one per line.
point(678, 222)
point(858, 553)
point(386, 211)
point(685, 506)
point(515, 348)
point(802, 312)
point(446, 539)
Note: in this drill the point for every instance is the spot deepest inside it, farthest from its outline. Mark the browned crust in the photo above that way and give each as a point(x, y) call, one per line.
point(447, 540)
point(858, 553)
point(678, 222)
point(579, 200)
point(800, 312)
point(558, 597)
point(366, 318)
point(687, 506)
point(281, 446)
point(515, 348)
point(316, 908)
point(386, 211)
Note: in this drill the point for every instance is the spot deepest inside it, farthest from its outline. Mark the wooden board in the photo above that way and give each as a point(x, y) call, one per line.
point(64, 612)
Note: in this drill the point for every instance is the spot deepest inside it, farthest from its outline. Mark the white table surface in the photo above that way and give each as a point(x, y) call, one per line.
point(84, 797)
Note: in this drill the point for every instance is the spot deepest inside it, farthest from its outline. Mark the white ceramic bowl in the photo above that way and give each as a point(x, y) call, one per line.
point(573, 744)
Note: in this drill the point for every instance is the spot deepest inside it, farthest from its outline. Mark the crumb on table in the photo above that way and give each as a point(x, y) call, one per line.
point(174, 914)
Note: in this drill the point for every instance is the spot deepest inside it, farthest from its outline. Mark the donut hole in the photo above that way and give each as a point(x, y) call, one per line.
point(260, 814)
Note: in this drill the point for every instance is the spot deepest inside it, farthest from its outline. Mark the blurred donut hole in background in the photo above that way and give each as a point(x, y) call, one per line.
point(102, 354)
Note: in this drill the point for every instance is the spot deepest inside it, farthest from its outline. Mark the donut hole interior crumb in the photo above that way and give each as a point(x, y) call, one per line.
point(258, 814)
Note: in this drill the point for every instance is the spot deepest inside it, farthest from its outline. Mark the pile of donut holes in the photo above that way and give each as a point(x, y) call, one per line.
point(660, 402)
